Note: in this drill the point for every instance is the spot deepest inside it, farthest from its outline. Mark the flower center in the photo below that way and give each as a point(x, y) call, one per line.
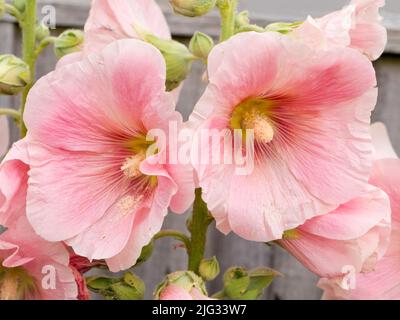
point(254, 114)
point(131, 166)
point(139, 147)
point(16, 284)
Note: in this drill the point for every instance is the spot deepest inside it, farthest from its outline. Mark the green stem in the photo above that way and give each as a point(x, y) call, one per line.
point(173, 234)
point(28, 51)
point(10, 112)
point(13, 11)
point(227, 10)
point(43, 44)
point(199, 225)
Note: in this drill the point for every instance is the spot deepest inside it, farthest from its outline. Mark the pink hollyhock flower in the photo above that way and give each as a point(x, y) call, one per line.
point(30, 267)
point(356, 234)
point(310, 112)
point(175, 292)
point(4, 136)
point(384, 281)
point(91, 183)
point(111, 20)
point(357, 25)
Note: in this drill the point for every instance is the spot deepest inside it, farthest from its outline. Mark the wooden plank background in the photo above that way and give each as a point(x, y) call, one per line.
point(297, 283)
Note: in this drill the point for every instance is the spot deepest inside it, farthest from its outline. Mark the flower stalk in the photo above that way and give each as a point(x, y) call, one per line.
point(199, 225)
point(28, 52)
point(227, 10)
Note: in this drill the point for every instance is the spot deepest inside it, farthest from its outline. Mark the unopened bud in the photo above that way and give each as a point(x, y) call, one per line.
point(2, 8)
point(282, 27)
point(192, 8)
point(14, 74)
point(200, 45)
point(236, 281)
point(130, 287)
point(209, 269)
point(42, 31)
point(177, 57)
point(186, 280)
point(68, 42)
point(19, 4)
point(242, 23)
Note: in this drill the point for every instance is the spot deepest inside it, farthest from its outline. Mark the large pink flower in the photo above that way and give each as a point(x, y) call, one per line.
point(384, 281)
point(4, 136)
point(111, 20)
point(356, 234)
point(357, 25)
point(91, 183)
point(30, 267)
point(310, 111)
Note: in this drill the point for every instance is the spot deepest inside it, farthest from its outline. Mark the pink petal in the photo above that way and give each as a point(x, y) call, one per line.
point(381, 140)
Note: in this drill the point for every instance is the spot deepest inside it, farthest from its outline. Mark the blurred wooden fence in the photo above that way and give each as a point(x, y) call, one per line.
point(297, 283)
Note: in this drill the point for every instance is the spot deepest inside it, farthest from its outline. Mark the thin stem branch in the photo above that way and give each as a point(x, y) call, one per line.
point(10, 112)
point(28, 51)
point(173, 234)
point(199, 225)
point(13, 11)
point(227, 10)
point(43, 45)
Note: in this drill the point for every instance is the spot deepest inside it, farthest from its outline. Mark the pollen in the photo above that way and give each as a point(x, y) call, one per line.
point(262, 126)
point(131, 166)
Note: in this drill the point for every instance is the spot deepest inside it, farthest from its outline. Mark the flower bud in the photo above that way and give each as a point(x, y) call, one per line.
point(209, 269)
point(200, 45)
point(187, 280)
point(260, 279)
point(282, 27)
point(68, 42)
point(2, 8)
point(14, 74)
point(236, 281)
point(19, 4)
point(130, 287)
point(177, 57)
point(42, 31)
point(242, 23)
point(192, 8)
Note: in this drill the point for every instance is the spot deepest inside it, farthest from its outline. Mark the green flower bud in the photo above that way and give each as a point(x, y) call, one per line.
point(19, 4)
point(146, 253)
point(14, 74)
point(260, 279)
point(200, 45)
point(2, 8)
point(177, 57)
point(68, 42)
point(192, 8)
point(209, 269)
point(242, 19)
point(42, 31)
point(130, 287)
point(187, 280)
point(242, 23)
point(236, 281)
point(282, 27)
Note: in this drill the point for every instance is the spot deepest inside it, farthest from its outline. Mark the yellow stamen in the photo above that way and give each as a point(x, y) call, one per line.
point(254, 114)
point(131, 167)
